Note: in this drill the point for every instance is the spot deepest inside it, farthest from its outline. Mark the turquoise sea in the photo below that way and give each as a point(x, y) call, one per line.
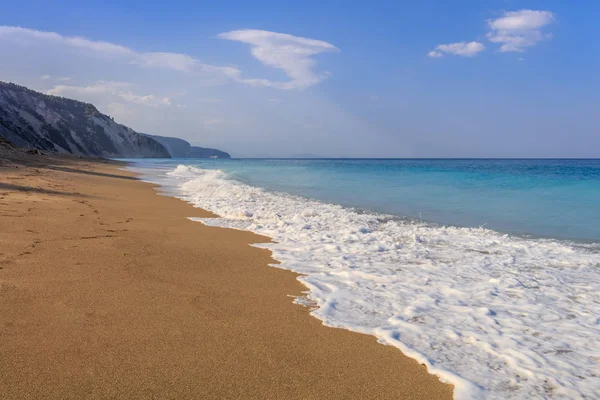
point(549, 198)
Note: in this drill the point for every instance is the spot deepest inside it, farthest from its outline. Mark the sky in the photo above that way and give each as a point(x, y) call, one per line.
point(464, 78)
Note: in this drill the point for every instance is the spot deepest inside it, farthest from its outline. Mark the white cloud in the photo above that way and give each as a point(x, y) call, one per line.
point(292, 54)
point(164, 60)
point(457, 49)
point(150, 99)
point(517, 30)
point(59, 79)
point(96, 46)
point(99, 87)
point(121, 90)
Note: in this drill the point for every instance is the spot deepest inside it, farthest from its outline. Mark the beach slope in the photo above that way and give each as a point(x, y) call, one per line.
point(107, 290)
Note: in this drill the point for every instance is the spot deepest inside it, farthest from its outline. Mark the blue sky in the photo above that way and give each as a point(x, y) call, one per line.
point(510, 78)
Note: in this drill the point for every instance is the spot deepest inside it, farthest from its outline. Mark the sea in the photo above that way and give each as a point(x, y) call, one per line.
point(487, 271)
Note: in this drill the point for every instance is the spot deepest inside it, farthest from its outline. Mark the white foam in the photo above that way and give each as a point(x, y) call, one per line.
point(498, 316)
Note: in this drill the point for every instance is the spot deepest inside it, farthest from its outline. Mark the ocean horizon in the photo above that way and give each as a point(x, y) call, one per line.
point(484, 270)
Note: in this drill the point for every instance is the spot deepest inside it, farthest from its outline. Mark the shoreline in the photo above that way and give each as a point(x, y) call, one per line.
point(479, 308)
point(462, 388)
point(108, 290)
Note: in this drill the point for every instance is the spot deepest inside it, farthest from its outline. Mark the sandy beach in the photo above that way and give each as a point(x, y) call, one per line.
point(107, 290)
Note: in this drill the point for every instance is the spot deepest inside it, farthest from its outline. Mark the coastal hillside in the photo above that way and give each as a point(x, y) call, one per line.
point(179, 148)
point(204, 152)
point(37, 121)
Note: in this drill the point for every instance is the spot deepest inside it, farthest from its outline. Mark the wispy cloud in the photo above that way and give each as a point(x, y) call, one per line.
point(121, 90)
point(164, 60)
point(74, 41)
point(99, 87)
point(292, 54)
point(457, 49)
point(517, 30)
point(58, 79)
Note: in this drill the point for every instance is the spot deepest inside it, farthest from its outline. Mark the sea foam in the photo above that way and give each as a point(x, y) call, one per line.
point(498, 316)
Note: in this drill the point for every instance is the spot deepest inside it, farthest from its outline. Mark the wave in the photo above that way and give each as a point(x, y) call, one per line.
point(496, 315)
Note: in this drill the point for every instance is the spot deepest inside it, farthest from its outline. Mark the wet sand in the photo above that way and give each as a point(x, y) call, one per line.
point(107, 290)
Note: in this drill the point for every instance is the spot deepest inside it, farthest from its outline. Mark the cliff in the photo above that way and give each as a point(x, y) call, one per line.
point(37, 121)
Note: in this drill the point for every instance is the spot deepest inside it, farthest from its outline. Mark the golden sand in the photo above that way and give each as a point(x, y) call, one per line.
point(108, 291)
